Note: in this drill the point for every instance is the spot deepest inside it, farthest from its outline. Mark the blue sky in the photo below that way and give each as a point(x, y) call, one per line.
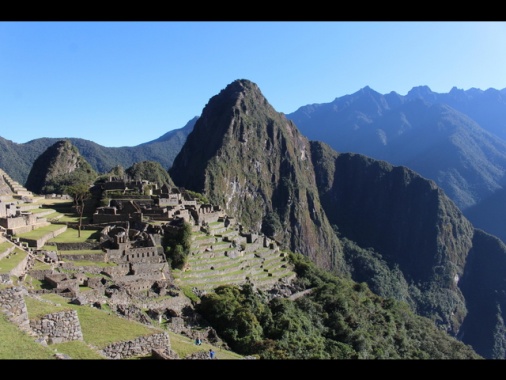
point(126, 83)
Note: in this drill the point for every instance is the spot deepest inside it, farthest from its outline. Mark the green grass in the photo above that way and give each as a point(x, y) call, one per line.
point(81, 252)
point(4, 246)
point(41, 266)
point(185, 346)
point(188, 292)
point(49, 247)
point(37, 309)
point(89, 263)
point(204, 237)
point(39, 232)
point(33, 283)
point(71, 236)
point(66, 211)
point(16, 344)
point(39, 210)
point(12, 261)
point(99, 328)
point(78, 350)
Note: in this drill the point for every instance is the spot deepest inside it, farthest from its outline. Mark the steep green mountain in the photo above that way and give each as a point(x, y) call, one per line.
point(405, 238)
point(407, 220)
point(484, 287)
point(150, 171)
point(17, 159)
point(253, 162)
point(61, 165)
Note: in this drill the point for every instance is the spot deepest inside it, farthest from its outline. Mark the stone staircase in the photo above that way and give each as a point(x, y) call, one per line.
point(14, 186)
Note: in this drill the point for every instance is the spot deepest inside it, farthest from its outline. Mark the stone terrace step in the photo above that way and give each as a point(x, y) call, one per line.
point(229, 234)
point(210, 268)
point(262, 281)
point(44, 213)
point(38, 243)
point(28, 206)
point(213, 259)
point(212, 282)
point(224, 269)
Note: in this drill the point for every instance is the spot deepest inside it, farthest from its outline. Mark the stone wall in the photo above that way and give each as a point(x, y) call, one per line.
point(12, 304)
point(65, 326)
point(136, 284)
point(97, 257)
point(90, 297)
point(7, 209)
point(171, 201)
point(18, 221)
point(149, 268)
point(58, 327)
point(77, 246)
point(108, 218)
point(28, 228)
point(144, 255)
point(117, 271)
point(138, 347)
point(83, 268)
point(40, 274)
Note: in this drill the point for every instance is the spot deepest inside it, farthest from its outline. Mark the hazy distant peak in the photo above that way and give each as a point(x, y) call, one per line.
point(368, 90)
point(456, 90)
point(423, 92)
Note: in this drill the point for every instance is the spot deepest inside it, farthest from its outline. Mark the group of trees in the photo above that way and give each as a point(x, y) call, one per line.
point(338, 319)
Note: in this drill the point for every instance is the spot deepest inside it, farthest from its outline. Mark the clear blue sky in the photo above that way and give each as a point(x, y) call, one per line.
point(126, 83)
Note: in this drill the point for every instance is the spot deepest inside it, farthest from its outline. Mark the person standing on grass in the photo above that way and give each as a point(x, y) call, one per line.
point(211, 353)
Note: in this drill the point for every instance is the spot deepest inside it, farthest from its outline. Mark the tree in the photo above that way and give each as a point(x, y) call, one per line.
point(177, 242)
point(79, 192)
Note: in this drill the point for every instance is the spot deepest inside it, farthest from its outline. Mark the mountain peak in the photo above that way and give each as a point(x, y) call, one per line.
point(254, 163)
point(421, 92)
point(367, 90)
point(58, 166)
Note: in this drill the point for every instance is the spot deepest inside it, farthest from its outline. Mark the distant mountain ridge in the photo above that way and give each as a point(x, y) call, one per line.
point(457, 139)
point(17, 159)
